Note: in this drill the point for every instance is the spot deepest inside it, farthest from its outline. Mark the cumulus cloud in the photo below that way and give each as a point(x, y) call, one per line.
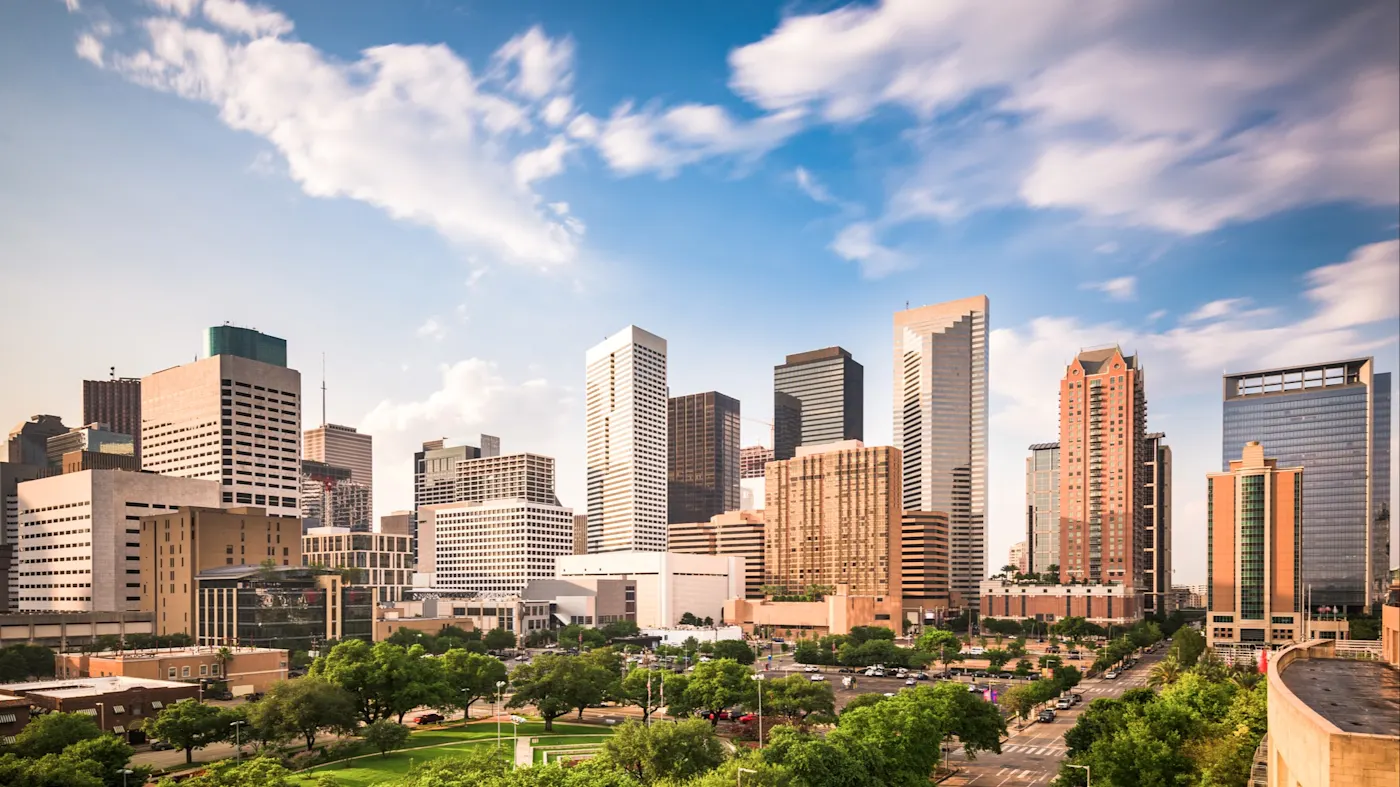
point(409, 129)
point(857, 243)
point(1365, 288)
point(662, 141)
point(432, 328)
point(545, 162)
point(1123, 288)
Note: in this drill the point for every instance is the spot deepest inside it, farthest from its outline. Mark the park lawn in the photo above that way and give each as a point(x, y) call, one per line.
point(376, 769)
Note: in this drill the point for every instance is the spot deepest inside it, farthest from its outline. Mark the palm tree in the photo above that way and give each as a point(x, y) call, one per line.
point(1165, 672)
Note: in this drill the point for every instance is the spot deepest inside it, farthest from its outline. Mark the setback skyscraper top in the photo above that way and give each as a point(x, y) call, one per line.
point(818, 397)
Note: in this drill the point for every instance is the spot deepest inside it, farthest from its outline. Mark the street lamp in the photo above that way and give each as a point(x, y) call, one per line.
point(125, 772)
point(500, 684)
point(237, 744)
point(759, 680)
point(739, 777)
point(1087, 776)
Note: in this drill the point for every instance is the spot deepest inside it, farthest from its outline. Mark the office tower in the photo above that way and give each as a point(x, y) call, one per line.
point(626, 427)
point(329, 498)
point(342, 446)
point(1043, 507)
point(382, 563)
point(435, 479)
point(703, 456)
point(231, 418)
point(1103, 444)
point(833, 518)
point(1016, 556)
point(117, 403)
point(1157, 523)
point(490, 446)
point(1255, 515)
point(396, 523)
point(176, 546)
point(492, 546)
point(94, 438)
point(925, 564)
point(80, 549)
point(522, 476)
point(731, 533)
point(11, 475)
point(940, 425)
point(580, 534)
point(29, 441)
point(818, 397)
point(1332, 419)
point(752, 460)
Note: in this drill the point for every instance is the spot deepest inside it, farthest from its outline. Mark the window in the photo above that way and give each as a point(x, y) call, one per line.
point(184, 672)
point(214, 670)
point(203, 670)
point(170, 673)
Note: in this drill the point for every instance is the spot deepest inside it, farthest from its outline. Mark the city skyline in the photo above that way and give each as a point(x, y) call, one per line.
point(1197, 279)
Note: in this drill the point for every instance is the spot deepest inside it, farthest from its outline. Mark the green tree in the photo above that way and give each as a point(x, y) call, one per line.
point(861, 701)
point(996, 658)
point(385, 735)
point(191, 725)
point(860, 634)
point(305, 706)
point(1364, 627)
point(468, 678)
point(647, 688)
point(1023, 668)
point(620, 628)
point(574, 635)
point(1165, 672)
point(51, 733)
point(51, 770)
point(106, 756)
point(1187, 646)
point(653, 753)
point(795, 697)
point(23, 661)
point(545, 683)
point(498, 639)
point(257, 772)
point(1019, 701)
point(734, 649)
point(719, 684)
point(1017, 648)
point(944, 646)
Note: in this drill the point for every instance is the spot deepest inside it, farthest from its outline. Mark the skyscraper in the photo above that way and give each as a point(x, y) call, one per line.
point(833, 518)
point(818, 397)
point(231, 418)
point(1157, 521)
point(117, 403)
point(1103, 447)
point(703, 456)
point(1333, 420)
point(940, 425)
point(752, 460)
point(342, 446)
point(1043, 507)
point(626, 431)
point(29, 440)
point(435, 479)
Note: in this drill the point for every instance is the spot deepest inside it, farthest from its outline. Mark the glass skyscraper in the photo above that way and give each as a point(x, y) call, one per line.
point(1333, 420)
point(818, 397)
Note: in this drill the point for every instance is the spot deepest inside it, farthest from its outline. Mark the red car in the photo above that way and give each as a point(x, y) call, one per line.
point(747, 717)
point(430, 718)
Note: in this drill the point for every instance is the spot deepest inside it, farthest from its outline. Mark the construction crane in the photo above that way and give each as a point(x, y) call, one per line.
point(768, 424)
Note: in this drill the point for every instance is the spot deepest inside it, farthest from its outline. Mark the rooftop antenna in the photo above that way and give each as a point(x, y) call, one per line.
point(112, 372)
point(323, 388)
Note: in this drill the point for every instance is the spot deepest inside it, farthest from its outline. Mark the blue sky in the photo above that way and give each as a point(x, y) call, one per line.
point(453, 201)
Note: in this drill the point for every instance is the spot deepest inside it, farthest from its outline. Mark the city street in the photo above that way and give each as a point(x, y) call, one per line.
point(1032, 756)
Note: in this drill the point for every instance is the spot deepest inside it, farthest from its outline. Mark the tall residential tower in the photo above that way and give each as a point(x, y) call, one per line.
point(1043, 507)
point(818, 397)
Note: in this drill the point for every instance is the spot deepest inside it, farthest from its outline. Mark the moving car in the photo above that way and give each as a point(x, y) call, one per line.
point(911, 682)
point(1046, 715)
point(818, 678)
point(747, 717)
point(1063, 703)
point(161, 746)
point(810, 668)
point(1111, 675)
point(429, 718)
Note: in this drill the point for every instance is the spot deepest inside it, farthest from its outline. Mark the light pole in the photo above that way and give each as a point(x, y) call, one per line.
point(1088, 777)
point(125, 772)
point(500, 684)
point(237, 741)
point(739, 776)
point(759, 680)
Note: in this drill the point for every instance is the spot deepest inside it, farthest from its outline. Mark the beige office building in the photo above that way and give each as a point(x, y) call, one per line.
point(381, 562)
point(833, 518)
point(176, 546)
point(343, 446)
point(396, 523)
point(731, 533)
point(925, 565)
point(229, 419)
point(521, 476)
point(79, 536)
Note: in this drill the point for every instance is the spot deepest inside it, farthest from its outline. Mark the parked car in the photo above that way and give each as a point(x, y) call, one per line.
point(977, 651)
point(889, 694)
point(747, 717)
point(1077, 698)
point(1063, 703)
point(818, 678)
point(1046, 715)
point(1111, 675)
point(920, 676)
point(811, 668)
point(980, 674)
point(972, 687)
point(218, 695)
point(430, 718)
point(161, 746)
point(779, 640)
point(911, 682)
point(1073, 655)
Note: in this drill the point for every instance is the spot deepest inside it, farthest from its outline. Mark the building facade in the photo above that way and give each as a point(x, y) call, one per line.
point(380, 562)
point(1157, 519)
point(343, 446)
point(11, 475)
point(925, 562)
point(1103, 445)
point(93, 438)
point(178, 545)
point(818, 397)
point(702, 456)
point(752, 460)
point(396, 523)
point(29, 441)
point(940, 424)
point(435, 478)
point(731, 533)
point(668, 584)
point(117, 403)
point(520, 476)
point(330, 499)
point(231, 419)
point(1101, 604)
point(1016, 556)
point(1333, 419)
point(247, 670)
point(833, 518)
point(290, 607)
point(626, 425)
point(1043, 508)
point(492, 546)
point(80, 536)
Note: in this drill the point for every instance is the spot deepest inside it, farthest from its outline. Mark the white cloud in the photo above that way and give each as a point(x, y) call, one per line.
point(557, 110)
point(432, 328)
point(475, 276)
point(1157, 315)
point(73, 6)
point(812, 187)
point(1214, 309)
point(543, 66)
point(180, 8)
point(663, 141)
point(461, 311)
point(856, 242)
point(584, 127)
point(406, 128)
point(1364, 289)
point(251, 20)
point(1106, 248)
point(1122, 288)
point(89, 48)
point(546, 162)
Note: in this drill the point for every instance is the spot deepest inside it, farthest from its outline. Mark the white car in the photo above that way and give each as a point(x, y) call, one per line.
point(818, 678)
point(810, 668)
point(1111, 675)
point(704, 659)
point(977, 651)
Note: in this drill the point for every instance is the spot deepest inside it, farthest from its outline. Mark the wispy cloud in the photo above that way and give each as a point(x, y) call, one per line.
point(1123, 288)
point(433, 329)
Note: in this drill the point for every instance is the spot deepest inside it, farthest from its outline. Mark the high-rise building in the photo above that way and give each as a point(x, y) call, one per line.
point(11, 475)
point(818, 397)
point(329, 498)
point(703, 456)
point(80, 540)
point(342, 446)
point(731, 533)
point(752, 460)
point(1043, 507)
point(626, 429)
point(1016, 556)
point(833, 518)
point(229, 418)
point(924, 565)
point(492, 546)
point(522, 476)
point(1255, 529)
point(117, 403)
point(175, 546)
point(1332, 419)
point(396, 523)
point(580, 534)
point(380, 562)
point(96, 438)
point(1103, 443)
point(1157, 520)
point(29, 441)
point(940, 425)
point(435, 479)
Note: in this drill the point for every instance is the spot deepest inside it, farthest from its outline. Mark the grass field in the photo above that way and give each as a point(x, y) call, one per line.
point(560, 744)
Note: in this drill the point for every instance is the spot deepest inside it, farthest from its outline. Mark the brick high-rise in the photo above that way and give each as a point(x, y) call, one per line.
point(116, 403)
point(1103, 447)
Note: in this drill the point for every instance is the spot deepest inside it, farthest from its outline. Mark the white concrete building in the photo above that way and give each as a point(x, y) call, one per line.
point(383, 562)
point(940, 425)
point(229, 419)
point(627, 414)
point(521, 476)
point(669, 584)
point(492, 546)
point(343, 446)
point(79, 536)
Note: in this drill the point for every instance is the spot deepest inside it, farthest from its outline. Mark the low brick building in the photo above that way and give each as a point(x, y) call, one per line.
point(247, 670)
point(1102, 604)
point(118, 704)
point(14, 714)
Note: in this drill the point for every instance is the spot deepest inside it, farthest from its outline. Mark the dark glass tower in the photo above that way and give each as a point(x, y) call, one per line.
point(1333, 420)
point(818, 397)
point(703, 456)
point(116, 403)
